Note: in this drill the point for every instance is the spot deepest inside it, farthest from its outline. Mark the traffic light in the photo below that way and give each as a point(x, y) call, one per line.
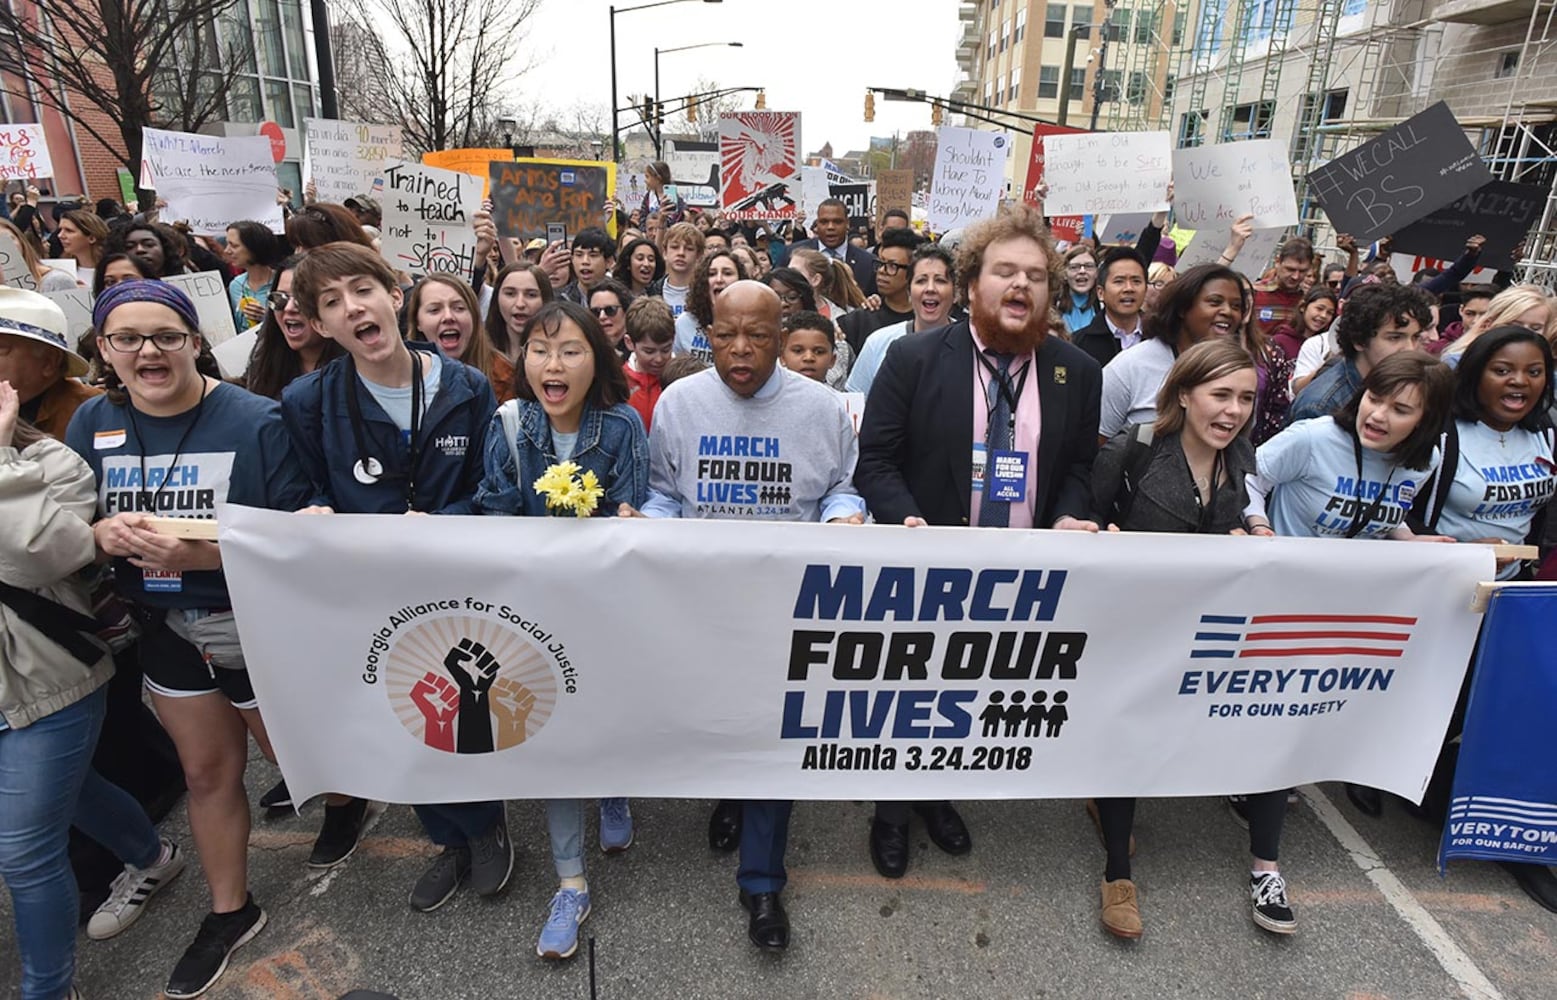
point(659, 114)
point(762, 100)
point(870, 105)
point(692, 108)
point(935, 114)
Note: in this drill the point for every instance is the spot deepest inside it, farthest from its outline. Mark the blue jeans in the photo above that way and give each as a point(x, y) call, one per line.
point(42, 769)
point(456, 824)
point(565, 825)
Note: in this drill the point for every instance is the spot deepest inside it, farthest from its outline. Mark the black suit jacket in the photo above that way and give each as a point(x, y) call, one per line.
point(861, 262)
point(916, 441)
point(1097, 340)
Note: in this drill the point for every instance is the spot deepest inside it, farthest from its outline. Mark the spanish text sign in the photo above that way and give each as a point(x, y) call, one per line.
point(529, 194)
point(1107, 172)
point(835, 662)
point(1387, 183)
point(345, 158)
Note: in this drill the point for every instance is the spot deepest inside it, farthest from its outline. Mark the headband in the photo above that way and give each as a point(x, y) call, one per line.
point(145, 290)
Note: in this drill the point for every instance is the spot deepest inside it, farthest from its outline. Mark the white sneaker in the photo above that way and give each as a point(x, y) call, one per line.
point(130, 893)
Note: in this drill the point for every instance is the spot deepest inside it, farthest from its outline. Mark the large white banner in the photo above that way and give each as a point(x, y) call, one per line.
point(345, 158)
point(463, 658)
point(211, 181)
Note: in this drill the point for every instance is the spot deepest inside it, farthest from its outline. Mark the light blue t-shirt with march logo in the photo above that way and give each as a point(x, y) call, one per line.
point(1317, 490)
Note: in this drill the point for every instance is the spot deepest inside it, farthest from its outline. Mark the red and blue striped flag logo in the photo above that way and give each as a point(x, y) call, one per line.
point(1295, 636)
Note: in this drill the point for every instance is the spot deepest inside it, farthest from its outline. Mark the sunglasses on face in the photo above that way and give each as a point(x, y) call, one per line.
point(278, 301)
point(606, 312)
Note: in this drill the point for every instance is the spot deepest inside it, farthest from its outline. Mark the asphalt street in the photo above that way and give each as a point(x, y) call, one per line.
point(1016, 918)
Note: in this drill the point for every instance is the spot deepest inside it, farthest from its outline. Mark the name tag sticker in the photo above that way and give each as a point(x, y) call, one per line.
point(1008, 478)
point(104, 440)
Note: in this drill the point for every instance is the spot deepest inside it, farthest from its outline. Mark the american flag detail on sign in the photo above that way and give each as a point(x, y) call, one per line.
point(1291, 636)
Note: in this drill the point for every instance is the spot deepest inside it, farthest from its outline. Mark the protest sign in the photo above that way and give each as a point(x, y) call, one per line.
point(1213, 186)
point(527, 195)
point(878, 663)
point(814, 190)
point(77, 304)
point(1068, 228)
point(24, 152)
point(759, 164)
point(894, 189)
point(1036, 159)
point(968, 178)
point(13, 266)
point(1252, 261)
point(428, 216)
point(344, 158)
point(1390, 182)
point(1502, 211)
point(476, 162)
point(1504, 802)
point(1123, 227)
point(1108, 172)
point(694, 169)
point(209, 294)
point(232, 357)
point(856, 202)
point(1405, 266)
point(211, 181)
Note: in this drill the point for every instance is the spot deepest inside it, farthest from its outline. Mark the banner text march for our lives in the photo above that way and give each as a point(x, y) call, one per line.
point(835, 662)
point(968, 178)
point(211, 181)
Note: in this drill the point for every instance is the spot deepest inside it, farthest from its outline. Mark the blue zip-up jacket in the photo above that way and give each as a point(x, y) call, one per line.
point(611, 444)
point(453, 435)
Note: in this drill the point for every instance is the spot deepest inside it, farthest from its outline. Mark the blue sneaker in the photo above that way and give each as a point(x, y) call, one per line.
point(616, 826)
point(559, 938)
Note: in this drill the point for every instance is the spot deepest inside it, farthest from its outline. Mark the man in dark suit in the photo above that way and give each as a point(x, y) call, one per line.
point(1121, 291)
point(832, 239)
point(995, 383)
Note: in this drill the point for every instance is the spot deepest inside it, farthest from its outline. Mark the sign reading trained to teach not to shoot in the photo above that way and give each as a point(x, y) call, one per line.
point(527, 195)
point(211, 181)
point(428, 216)
point(1107, 172)
point(345, 158)
point(1214, 186)
point(969, 176)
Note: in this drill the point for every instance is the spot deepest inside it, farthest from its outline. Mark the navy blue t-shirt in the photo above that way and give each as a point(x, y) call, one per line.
point(231, 448)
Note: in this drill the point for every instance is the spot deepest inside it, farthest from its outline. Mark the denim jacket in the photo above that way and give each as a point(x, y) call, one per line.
point(1326, 392)
point(611, 444)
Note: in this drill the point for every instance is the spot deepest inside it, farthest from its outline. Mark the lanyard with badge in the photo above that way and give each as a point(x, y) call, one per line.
point(1007, 467)
point(370, 470)
point(1361, 519)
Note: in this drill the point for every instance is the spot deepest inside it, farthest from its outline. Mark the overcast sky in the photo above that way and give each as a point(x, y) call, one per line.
point(813, 56)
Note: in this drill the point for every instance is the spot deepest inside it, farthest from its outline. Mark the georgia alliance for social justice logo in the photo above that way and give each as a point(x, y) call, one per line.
point(469, 677)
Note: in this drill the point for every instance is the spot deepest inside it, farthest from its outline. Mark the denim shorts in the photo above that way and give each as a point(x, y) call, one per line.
point(193, 652)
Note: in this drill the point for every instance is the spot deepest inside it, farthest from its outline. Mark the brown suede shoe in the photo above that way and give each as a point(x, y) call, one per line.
point(1097, 824)
point(1121, 914)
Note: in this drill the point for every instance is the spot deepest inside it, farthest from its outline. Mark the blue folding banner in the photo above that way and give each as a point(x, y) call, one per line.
point(1504, 806)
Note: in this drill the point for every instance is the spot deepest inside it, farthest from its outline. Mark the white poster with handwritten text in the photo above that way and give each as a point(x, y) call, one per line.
point(1216, 185)
point(427, 218)
point(24, 152)
point(211, 181)
point(345, 158)
point(1097, 172)
point(969, 176)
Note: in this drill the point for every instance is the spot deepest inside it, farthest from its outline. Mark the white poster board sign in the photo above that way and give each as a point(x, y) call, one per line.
point(969, 176)
point(209, 293)
point(344, 158)
point(1213, 186)
point(13, 266)
point(233, 355)
point(813, 190)
point(77, 303)
point(1123, 227)
point(24, 153)
point(1252, 261)
point(427, 218)
point(211, 181)
point(1107, 172)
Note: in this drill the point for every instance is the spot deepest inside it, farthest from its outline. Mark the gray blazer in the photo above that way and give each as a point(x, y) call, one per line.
point(1165, 495)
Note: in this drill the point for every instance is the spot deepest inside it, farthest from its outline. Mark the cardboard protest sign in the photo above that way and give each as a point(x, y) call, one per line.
point(24, 152)
point(969, 176)
point(1387, 183)
point(427, 218)
point(77, 304)
point(475, 162)
point(233, 356)
point(1252, 261)
point(694, 169)
point(759, 164)
point(1068, 228)
point(814, 190)
point(211, 181)
point(1107, 172)
point(528, 195)
point(1502, 211)
point(856, 201)
point(1123, 227)
point(1037, 160)
point(209, 294)
point(344, 158)
point(894, 189)
point(1214, 186)
point(13, 266)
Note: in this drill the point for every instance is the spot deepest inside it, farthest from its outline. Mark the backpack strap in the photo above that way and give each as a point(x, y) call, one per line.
point(66, 627)
point(1137, 456)
point(509, 411)
point(1443, 479)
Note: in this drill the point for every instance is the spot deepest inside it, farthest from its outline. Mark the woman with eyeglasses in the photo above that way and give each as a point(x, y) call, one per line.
point(1158, 277)
point(225, 444)
point(609, 301)
point(794, 291)
point(286, 346)
point(1077, 302)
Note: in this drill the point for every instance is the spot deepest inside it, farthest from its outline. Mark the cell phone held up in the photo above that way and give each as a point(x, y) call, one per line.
point(556, 232)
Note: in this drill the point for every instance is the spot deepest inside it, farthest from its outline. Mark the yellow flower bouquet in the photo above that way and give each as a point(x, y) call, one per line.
point(568, 492)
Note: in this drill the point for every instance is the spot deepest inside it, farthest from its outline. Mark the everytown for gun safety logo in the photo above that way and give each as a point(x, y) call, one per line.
point(1292, 664)
point(467, 676)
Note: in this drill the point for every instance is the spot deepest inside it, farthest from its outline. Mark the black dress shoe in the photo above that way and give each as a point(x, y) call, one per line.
point(1369, 801)
point(724, 826)
point(1536, 880)
point(769, 924)
point(945, 827)
point(889, 848)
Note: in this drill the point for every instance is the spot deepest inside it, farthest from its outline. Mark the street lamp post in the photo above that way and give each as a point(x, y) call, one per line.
point(615, 137)
point(659, 143)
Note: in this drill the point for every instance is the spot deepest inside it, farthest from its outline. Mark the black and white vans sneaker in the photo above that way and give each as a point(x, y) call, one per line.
point(131, 891)
point(1268, 890)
